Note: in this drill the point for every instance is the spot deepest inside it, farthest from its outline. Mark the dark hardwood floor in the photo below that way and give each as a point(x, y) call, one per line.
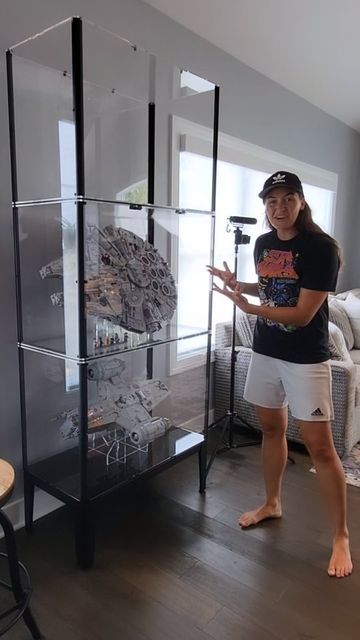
point(174, 565)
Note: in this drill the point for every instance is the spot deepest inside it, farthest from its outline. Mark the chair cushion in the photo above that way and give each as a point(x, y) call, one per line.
point(243, 329)
point(344, 294)
point(245, 324)
point(339, 317)
point(337, 344)
point(355, 357)
point(352, 308)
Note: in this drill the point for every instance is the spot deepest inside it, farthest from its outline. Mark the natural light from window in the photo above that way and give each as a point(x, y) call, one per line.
point(68, 219)
point(237, 195)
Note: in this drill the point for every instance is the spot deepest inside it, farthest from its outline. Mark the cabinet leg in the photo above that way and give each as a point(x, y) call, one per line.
point(202, 468)
point(85, 537)
point(29, 490)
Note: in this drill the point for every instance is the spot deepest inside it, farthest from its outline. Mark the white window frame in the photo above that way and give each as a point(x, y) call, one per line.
point(195, 138)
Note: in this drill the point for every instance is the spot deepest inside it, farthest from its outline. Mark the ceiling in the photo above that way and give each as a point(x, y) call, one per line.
point(311, 47)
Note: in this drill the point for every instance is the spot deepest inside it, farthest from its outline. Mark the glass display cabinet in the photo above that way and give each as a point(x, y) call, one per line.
point(101, 255)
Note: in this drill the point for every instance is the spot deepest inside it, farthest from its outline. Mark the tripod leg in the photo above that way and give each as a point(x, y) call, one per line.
point(216, 448)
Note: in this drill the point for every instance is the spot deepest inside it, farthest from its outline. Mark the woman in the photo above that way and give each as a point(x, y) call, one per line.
point(297, 265)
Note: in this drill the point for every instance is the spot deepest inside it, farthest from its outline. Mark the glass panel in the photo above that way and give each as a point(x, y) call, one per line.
point(113, 233)
point(131, 284)
point(116, 155)
point(48, 261)
point(193, 294)
point(52, 438)
point(180, 94)
point(42, 100)
point(116, 79)
point(139, 417)
point(112, 62)
point(119, 82)
point(132, 298)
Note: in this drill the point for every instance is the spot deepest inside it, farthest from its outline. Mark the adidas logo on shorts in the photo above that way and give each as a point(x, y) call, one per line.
point(317, 412)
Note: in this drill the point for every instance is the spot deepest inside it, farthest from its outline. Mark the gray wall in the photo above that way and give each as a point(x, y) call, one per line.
point(253, 108)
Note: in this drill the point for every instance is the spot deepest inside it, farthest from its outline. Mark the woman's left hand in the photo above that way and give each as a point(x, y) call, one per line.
point(235, 296)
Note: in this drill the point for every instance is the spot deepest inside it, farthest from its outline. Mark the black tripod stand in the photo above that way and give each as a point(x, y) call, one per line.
point(230, 415)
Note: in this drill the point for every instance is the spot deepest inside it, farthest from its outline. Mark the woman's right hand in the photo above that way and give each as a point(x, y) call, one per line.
point(225, 275)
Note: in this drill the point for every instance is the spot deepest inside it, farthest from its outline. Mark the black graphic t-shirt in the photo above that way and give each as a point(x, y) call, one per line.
point(308, 261)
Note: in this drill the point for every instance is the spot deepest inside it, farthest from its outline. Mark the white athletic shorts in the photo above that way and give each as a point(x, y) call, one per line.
point(306, 388)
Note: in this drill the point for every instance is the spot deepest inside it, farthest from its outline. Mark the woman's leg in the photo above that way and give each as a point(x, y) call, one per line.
point(317, 437)
point(274, 458)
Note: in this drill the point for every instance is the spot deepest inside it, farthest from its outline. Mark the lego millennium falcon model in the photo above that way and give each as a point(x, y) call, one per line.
point(127, 280)
point(121, 404)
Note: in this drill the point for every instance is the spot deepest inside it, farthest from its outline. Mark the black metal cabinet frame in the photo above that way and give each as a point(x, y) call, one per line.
point(47, 472)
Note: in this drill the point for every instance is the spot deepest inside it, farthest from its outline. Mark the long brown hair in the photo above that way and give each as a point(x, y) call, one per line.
point(305, 222)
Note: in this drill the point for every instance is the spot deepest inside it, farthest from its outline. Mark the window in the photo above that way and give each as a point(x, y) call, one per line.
point(68, 221)
point(242, 170)
point(137, 193)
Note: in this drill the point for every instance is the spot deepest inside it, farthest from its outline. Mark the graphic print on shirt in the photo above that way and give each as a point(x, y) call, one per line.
point(278, 282)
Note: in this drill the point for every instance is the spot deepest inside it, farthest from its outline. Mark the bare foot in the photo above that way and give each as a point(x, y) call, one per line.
point(340, 564)
point(265, 512)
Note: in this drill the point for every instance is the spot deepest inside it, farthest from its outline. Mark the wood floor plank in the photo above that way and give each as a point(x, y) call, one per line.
point(247, 546)
point(280, 620)
point(228, 625)
point(338, 617)
point(169, 590)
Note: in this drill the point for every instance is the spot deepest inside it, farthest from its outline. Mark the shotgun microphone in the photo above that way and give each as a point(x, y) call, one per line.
point(241, 220)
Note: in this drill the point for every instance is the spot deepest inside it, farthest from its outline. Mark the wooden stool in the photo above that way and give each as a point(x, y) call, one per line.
point(20, 593)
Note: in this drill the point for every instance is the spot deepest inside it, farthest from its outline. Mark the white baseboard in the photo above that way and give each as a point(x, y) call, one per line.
point(44, 503)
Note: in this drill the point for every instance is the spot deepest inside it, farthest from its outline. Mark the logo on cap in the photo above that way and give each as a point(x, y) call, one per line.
point(278, 178)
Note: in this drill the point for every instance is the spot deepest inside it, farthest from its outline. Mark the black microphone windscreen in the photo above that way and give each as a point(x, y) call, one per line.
point(242, 220)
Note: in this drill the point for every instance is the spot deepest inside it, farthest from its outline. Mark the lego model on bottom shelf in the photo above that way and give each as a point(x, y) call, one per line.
point(134, 423)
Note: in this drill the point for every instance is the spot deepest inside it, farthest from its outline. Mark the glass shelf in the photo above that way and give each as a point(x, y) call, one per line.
point(146, 207)
point(135, 342)
point(133, 300)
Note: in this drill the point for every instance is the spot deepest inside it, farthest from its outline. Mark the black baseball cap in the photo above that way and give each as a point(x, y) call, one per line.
point(281, 179)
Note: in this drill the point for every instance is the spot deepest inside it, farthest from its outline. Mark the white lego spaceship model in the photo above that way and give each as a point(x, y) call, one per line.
point(121, 404)
point(148, 431)
point(127, 280)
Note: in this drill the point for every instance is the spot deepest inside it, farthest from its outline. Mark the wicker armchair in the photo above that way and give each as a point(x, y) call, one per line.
point(345, 388)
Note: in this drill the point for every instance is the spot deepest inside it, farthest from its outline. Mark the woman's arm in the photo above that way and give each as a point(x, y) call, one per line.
point(250, 288)
point(309, 302)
